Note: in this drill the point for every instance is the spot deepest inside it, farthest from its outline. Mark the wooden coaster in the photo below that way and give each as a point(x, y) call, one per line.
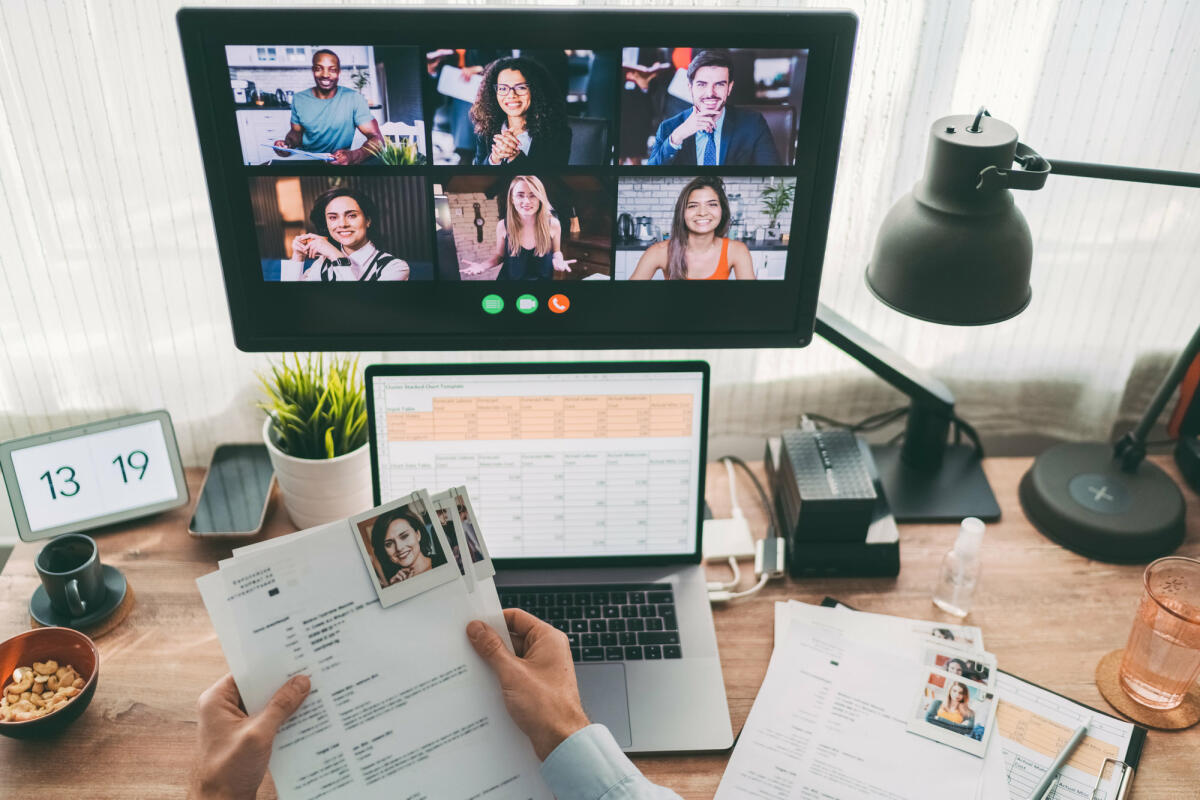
point(1182, 716)
point(108, 623)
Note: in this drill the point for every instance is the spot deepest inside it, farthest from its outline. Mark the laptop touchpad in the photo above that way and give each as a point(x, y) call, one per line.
point(602, 689)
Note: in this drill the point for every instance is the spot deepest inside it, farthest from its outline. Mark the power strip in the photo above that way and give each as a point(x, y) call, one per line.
point(727, 538)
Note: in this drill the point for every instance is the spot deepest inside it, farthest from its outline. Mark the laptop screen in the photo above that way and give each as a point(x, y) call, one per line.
point(558, 465)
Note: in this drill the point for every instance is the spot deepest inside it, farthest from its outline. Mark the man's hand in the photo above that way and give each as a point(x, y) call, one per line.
point(281, 153)
point(689, 127)
point(538, 683)
point(233, 747)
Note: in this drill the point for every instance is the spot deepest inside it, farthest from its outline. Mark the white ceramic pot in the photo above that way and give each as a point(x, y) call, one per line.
point(320, 490)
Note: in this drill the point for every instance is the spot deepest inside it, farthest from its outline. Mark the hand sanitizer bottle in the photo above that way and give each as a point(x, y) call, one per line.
point(960, 570)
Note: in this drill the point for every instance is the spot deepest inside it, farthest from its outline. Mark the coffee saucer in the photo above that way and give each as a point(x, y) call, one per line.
point(43, 612)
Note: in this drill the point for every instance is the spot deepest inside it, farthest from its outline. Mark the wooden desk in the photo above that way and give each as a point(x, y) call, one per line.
point(1047, 614)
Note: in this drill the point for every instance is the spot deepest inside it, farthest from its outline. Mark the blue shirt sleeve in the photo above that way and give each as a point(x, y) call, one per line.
point(362, 112)
point(589, 765)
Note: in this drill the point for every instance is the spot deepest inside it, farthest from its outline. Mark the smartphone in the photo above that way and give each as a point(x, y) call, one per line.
point(233, 500)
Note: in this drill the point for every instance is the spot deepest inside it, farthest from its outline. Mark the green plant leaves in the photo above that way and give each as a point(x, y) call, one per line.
point(316, 411)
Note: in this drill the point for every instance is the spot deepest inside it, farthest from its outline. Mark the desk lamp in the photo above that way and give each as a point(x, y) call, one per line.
point(956, 250)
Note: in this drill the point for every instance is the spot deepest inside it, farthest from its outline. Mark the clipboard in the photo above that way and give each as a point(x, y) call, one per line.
point(1137, 739)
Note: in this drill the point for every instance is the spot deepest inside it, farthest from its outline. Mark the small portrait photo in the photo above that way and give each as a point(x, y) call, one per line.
point(703, 228)
point(476, 546)
point(954, 711)
point(447, 516)
point(339, 105)
point(524, 109)
point(346, 228)
point(964, 636)
point(710, 107)
point(976, 667)
point(524, 227)
point(404, 548)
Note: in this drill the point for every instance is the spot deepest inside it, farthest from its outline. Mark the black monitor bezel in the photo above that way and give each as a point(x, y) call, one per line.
point(829, 34)
point(374, 371)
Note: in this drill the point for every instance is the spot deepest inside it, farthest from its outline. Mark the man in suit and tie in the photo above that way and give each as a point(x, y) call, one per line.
point(712, 133)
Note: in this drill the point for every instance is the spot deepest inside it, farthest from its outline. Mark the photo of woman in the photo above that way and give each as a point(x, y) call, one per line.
point(520, 116)
point(403, 546)
point(340, 247)
point(955, 712)
point(698, 248)
point(528, 238)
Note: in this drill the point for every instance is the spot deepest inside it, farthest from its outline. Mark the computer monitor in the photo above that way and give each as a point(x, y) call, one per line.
point(485, 178)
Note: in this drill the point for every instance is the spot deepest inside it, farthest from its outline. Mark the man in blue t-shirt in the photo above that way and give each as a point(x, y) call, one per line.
point(324, 117)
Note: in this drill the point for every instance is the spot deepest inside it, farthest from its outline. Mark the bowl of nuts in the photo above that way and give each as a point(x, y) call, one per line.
point(47, 679)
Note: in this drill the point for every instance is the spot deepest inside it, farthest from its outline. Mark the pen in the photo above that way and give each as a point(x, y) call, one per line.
point(1050, 789)
point(1052, 773)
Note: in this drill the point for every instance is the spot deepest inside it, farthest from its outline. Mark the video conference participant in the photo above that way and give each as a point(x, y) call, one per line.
point(580, 761)
point(325, 117)
point(956, 712)
point(520, 116)
point(403, 545)
point(528, 239)
point(712, 132)
point(698, 249)
point(341, 248)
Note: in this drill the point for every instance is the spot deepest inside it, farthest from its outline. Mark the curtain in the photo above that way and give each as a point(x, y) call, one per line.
point(111, 297)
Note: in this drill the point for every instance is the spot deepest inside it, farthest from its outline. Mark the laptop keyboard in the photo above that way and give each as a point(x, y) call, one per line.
point(606, 622)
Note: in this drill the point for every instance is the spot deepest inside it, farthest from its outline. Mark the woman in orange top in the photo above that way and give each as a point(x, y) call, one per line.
point(698, 249)
point(957, 708)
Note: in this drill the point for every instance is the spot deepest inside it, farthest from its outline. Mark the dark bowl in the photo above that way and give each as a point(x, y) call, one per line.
point(65, 646)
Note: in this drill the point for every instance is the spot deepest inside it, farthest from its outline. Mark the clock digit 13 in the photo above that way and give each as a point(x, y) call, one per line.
point(68, 479)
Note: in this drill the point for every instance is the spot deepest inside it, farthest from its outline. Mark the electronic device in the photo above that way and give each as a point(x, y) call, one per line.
point(824, 487)
point(99, 473)
point(878, 555)
point(262, 200)
point(588, 479)
point(236, 492)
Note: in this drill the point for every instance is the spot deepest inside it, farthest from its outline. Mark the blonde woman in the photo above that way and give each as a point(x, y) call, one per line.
point(528, 239)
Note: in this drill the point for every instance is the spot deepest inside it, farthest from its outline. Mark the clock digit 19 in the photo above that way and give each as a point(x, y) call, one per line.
point(134, 462)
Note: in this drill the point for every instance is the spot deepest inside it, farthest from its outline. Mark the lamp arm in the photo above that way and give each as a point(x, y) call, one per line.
point(1130, 449)
point(1035, 169)
point(928, 425)
point(1113, 172)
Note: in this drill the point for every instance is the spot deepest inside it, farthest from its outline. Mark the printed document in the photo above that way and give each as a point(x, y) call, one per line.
point(401, 706)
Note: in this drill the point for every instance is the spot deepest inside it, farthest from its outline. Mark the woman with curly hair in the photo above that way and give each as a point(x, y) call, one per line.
point(519, 116)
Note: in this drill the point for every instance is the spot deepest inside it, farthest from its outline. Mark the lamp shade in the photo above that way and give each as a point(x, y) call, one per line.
point(947, 251)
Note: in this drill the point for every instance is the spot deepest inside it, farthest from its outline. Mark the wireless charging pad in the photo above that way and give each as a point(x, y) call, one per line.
point(1077, 495)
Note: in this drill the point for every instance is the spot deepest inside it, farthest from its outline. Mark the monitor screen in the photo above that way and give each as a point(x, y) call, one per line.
point(560, 462)
point(493, 178)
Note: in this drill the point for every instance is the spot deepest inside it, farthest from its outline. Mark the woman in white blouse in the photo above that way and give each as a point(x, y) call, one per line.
point(341, 249)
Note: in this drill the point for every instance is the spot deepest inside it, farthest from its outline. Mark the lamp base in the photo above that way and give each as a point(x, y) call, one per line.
point(1077, 496)
point(959, 489)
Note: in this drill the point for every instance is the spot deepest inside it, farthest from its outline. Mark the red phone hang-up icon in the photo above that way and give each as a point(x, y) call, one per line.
point(559, 303)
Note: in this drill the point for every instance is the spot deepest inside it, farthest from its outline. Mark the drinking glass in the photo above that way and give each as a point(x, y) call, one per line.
point(1162, 657)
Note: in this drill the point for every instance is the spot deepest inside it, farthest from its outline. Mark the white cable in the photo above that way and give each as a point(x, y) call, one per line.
point(725, 596)
point(719, 586)
point(735, 506)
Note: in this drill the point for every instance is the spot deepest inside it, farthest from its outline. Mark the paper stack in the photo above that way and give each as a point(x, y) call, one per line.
point(374, 609)
point(847, 705)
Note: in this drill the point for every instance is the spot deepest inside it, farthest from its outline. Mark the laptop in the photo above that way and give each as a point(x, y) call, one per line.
point(588, 481)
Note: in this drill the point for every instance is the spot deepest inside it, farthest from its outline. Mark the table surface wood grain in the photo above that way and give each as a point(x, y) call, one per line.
point(1048, 615)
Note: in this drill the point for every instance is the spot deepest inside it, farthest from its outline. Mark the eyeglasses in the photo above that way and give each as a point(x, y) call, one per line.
point(520, 90)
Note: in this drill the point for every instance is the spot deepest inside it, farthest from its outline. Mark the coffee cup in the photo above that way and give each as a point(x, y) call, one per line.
point(69, 566)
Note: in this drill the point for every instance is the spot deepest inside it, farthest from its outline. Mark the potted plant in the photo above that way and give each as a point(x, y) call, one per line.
point(316, 435)
point(777, 198)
